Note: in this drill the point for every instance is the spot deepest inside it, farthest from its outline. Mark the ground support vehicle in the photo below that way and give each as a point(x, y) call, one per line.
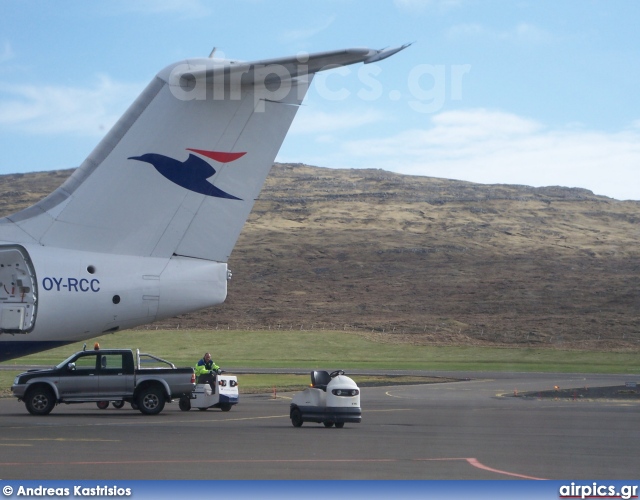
point(105, 375)
point(332, 399)
point(204, 396)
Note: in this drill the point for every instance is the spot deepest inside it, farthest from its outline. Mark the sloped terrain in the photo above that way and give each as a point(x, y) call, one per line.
point(423, 260)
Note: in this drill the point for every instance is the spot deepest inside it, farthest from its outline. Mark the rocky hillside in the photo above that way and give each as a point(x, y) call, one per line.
point(423, 260)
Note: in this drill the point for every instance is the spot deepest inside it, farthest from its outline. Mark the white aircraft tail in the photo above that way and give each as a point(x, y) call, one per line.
point(179, 172)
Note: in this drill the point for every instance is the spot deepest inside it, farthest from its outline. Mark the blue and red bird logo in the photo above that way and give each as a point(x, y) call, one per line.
point(192, 174)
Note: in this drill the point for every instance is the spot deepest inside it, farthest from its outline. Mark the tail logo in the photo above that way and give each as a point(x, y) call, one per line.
point(192, 174)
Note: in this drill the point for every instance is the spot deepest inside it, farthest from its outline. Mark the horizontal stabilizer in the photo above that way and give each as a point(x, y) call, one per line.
point(261, 72)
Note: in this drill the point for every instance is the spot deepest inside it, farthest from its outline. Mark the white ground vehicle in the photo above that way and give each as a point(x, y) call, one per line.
point(332, 399)
point(204, 397)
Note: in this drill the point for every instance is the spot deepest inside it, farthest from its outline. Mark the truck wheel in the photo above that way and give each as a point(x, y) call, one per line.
point(40, 401)
point(103, 405)
point(329, 424)
point(117, 404)
point(184, 404)
point(296, 417)
point(339, 425)
point(151, 400)
point(225, 407)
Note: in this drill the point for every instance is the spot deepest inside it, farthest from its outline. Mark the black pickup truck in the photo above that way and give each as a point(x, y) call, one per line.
point(104, 375)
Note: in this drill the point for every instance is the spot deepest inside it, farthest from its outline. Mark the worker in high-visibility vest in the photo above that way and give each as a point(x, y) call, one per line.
point(206, 371)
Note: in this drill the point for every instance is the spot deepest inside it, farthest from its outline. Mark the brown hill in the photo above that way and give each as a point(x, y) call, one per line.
point(423, 260)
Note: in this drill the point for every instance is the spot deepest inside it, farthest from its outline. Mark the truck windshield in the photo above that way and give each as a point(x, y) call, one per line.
point(65, 362)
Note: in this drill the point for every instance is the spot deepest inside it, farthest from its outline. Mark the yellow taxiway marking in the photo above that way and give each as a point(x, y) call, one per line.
point(287, 416)
point(474, 462)
point(392, 409)
point(238, 419)
point(436, 387)
point(401, 396)
point(388, 393)
point(131, 423)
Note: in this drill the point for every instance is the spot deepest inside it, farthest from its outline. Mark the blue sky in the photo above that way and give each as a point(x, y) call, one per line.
point(533, 92)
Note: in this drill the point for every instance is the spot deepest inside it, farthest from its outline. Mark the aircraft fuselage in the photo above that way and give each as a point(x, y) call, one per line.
point(62, 296)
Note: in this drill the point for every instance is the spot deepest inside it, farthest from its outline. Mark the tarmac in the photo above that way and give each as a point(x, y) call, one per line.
point(479, 427)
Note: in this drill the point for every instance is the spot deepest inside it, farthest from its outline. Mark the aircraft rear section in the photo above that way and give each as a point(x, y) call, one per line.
point(143, 229)
point(18, 290)
point(41, 286)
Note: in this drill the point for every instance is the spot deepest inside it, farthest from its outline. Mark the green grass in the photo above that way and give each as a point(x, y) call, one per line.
point(333, 350)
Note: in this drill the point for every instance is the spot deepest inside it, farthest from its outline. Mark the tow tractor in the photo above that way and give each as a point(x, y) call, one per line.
point(332, 399)
point(204, 396)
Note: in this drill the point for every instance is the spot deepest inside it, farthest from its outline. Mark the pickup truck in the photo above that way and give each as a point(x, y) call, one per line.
point(104, 375)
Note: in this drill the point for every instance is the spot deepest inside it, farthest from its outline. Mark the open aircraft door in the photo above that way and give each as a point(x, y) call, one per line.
point(18, 290)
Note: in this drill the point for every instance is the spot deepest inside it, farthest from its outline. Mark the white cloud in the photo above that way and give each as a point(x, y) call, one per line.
point(496, 147)
point(64, 110)
point(522, 32)
point(319, 122)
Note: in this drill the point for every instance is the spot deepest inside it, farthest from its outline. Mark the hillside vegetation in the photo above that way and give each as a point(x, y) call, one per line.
point(422, 260)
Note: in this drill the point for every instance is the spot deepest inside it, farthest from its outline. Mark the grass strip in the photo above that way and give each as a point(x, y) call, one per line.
point(333, 350)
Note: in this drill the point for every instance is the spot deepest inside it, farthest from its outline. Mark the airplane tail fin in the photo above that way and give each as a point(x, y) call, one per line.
point(179, 172)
